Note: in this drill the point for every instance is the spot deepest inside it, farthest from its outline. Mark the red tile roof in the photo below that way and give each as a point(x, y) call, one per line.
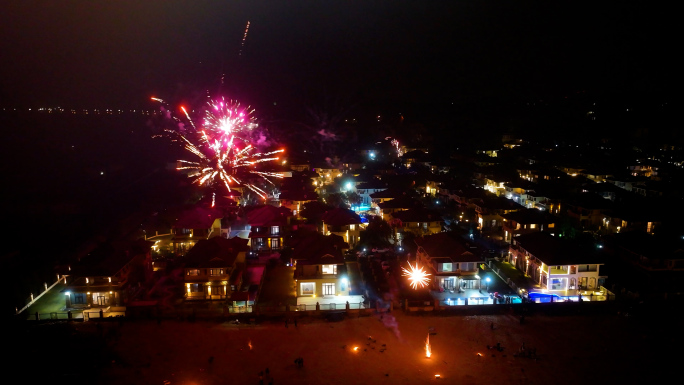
point(448, 245)
point(197, 218)
point(402, 202)
point(555, 251)
point(341, 217)
point(313, 247)
point(215, 252)
point(527, 216)
point(417, 215)
point(268, 214)
point(298, 195)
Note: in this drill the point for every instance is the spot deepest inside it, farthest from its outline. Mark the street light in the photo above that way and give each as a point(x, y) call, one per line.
point(488, 280)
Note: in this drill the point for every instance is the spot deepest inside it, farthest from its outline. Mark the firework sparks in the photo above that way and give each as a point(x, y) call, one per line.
point(417, 276)
point(223, 149)
point(428, 349)
point(228, 117)
point(395, 144)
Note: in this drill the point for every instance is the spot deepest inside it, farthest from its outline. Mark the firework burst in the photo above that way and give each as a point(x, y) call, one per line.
point(416, 275)
point(222, 148)
point(228, 117)
point(395, 144)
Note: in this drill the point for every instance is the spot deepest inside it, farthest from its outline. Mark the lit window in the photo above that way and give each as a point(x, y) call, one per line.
point(193, 272)
point(275, 230)
point(329, 269)
point(307, 288)
point(215, 271)
point(328, 289)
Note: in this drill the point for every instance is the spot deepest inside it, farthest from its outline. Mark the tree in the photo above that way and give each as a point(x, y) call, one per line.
point(567, 229)
point(313, 211)
point(336, 200)
point(353, 199)
point(377, 233)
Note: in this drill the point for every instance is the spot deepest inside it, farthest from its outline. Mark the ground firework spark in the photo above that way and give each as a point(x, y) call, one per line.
point(395, 144)
point(416, 275)
point(222, 148)
point(428, 348)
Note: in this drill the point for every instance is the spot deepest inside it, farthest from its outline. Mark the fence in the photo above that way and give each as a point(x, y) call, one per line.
point(503, 277)
point(32, 299)
point(331, 306)
point(50, 316)
point(74, 316)
point(240, 309)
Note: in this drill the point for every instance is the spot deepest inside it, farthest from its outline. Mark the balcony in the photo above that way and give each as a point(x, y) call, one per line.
point(587, 268)
point(558, 271)
point(314, 272)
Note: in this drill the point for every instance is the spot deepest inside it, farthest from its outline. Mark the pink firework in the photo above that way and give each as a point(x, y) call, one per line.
point(222, 149)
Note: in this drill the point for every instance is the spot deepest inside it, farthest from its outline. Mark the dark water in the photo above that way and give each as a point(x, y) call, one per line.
point(67, 179)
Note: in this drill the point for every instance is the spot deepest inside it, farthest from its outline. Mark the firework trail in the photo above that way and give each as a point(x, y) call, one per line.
point(222, 149)
point(244, 38)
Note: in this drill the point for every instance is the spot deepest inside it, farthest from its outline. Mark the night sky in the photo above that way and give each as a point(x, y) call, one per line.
point(459, 68)
point(400, 54)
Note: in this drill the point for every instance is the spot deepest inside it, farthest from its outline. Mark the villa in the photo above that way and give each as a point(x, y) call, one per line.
point(320, 271)
point(452, 261)
point(557, 265)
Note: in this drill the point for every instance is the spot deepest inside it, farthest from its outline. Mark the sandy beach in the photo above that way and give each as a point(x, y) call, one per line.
point(391, 350)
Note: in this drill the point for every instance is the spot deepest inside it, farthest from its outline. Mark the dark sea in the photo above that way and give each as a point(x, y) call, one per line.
point(70, 180)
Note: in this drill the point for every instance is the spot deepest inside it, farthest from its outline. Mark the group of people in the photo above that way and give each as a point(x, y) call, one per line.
point(265, 376)
point(287, 322)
